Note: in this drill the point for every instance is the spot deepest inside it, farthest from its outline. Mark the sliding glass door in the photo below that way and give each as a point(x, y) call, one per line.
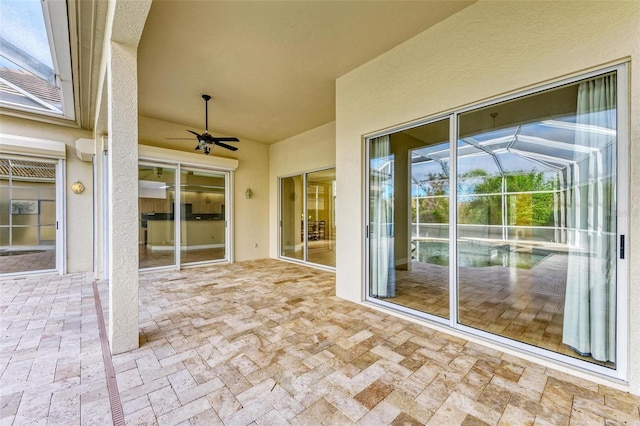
point(533, 188)
point(307, 217)
point(28, 215)
point(202, 216)
point(191, 231)
point(409, 218)
point(156, 204)
point(321, 228)
point(292, 235)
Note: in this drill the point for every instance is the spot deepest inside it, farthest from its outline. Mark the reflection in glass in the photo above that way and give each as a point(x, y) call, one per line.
point(202, 216)
point(292, 216)
point(536, 219)
point(27, 216)
point(409, 218)
point(156, 194)
point(321, 227)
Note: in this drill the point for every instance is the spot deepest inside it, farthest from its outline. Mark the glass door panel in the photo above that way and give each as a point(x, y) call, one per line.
point(28, 216)
point(202, 216)
point(156, 186)
point(292, 231)
point(409, 218)
point(536, 212)
point(321, 226)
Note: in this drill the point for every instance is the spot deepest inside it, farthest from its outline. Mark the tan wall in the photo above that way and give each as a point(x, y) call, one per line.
point(486, 50)
point(251, 220)
point(79, 206)
point(314, 149)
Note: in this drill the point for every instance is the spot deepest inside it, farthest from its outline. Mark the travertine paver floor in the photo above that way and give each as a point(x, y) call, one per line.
point(267, 342)
point(51, 366)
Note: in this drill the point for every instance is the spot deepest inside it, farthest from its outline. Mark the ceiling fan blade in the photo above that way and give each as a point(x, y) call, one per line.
point(224, 145)
point(197, 147)
point(191, 131)
point(226, 139)
point(180, 139)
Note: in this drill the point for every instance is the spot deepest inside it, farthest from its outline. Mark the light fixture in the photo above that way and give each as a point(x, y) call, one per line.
point(248, 193)
point(77, 187)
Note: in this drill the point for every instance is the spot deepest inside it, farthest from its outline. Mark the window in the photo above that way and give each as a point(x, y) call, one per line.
point(35, 61)
point(512, 234)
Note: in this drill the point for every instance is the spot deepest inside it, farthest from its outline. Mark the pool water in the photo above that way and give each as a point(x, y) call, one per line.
point(477, 254)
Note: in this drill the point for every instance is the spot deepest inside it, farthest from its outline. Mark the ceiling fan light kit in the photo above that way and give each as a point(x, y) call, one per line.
point(205, 140)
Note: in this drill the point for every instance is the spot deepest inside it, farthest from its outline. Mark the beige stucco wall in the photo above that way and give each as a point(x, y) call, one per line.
point(250, 219)
point(486, 50)
point(79, 206)
point(311, 150)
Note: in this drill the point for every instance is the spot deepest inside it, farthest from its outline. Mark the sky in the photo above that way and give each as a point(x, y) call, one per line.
point(22, 24)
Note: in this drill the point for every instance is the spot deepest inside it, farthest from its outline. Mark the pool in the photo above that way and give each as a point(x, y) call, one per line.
point(477, 254)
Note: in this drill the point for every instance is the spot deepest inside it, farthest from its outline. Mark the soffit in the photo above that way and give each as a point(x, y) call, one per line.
point(270, 66)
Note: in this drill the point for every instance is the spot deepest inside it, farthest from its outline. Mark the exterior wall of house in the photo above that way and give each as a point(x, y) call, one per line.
point(311, 150)
point(251, 220)
point(487, 50)
point(79, 206)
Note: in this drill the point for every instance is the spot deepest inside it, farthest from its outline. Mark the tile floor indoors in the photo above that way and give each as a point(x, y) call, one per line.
point(266, 342)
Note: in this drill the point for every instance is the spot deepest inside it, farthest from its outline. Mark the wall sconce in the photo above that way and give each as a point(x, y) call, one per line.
point(248, 193)
point(77, 187)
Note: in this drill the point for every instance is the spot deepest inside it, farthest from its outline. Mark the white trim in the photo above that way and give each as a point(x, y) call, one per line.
point(622, 221)
point(229, 213)
point(183, 248)
point(57, 25)
point(61, 217)
point(177, 215)
point(453, 221)
point(152, 153)
point(33, 147)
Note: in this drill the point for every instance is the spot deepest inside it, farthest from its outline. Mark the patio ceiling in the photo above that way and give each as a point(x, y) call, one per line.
point(269, 66)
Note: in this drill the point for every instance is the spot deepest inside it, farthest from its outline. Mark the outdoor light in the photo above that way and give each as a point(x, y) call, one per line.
point(248, 193)
point(77, 187)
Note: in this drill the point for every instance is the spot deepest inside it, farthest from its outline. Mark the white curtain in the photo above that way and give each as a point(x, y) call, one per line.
point(382, 264)
point(590, 300)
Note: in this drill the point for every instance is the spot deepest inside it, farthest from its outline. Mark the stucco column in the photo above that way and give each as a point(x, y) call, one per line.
point(123, 197)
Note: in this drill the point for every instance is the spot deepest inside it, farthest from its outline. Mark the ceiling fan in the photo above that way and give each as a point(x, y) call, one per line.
point(205, 139)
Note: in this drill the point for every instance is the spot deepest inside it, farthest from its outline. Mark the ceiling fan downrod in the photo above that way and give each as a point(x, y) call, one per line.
point(206, 112)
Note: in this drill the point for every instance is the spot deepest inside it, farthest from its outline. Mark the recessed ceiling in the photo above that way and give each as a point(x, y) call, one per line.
point(269, 66)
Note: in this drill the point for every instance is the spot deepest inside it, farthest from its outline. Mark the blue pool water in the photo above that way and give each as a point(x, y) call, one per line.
point(477, 254)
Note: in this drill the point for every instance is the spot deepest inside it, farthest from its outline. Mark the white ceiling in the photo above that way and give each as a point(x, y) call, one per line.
point(270, 66)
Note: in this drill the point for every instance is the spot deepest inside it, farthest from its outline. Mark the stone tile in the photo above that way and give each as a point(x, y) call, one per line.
point(373, 394)
point(409, 407)
point(128, 379)
point(346, 404)
point(206, 418)
point(250, 413)
point(447, 415)
point(604, 411)
point(473, 408)
point(267, 342)
point(321, 412)
point(514, 415)
point(164, 400)
point(224, 402)
point(135, 404)
point(184, 412)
